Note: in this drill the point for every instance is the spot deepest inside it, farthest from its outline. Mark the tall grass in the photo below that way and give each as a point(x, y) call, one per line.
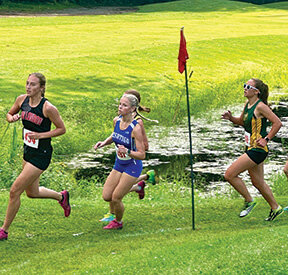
point(280, 184)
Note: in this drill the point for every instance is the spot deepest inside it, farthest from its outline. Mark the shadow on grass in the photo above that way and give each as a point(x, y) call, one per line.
point(90, 86)
point(72, 88)
point(9, 90)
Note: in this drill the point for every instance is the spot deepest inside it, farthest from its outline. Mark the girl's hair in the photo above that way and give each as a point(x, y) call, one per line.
point(42, 81)
point(263, 89)
point(137, 94)
point(133, 100)
point(139, 108)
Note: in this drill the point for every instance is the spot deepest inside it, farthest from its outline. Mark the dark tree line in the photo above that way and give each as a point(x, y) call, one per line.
point(91, 2)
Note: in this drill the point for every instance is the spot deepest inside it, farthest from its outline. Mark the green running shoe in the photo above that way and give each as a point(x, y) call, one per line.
point(274, 213)
point(248, 206)
point(107, 218)
point(152, 177)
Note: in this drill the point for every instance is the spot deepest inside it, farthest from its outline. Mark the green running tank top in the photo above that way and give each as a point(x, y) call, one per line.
point(255, 128)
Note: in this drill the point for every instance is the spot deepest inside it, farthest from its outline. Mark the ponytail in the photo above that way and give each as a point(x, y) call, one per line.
point(263, 90)
point(137, 94)
point(148, 119)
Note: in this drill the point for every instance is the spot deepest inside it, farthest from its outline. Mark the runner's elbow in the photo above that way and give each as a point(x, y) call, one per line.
point(141, 156)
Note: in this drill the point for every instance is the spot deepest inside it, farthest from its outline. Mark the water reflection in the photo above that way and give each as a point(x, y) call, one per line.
point(216, 144)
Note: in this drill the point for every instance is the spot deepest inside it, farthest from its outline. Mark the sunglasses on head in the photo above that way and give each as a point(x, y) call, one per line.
point(248, 87)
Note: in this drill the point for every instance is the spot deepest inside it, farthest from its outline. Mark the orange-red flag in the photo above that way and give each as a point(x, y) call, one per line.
point(183, 54)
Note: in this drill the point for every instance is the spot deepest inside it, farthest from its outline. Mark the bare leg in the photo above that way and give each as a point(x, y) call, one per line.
point(28, 175)
point(125, 183)
point(112, 211)
point(286, 169)
point(110, 185)
point(135, 187)
point(142, 177)
point(257, 176)
point(28, 181)
point(242, 164)
point(34, 191)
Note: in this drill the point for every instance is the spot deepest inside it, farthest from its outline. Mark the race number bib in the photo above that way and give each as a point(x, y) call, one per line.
point(34, 143)
point(247, 139)
point(119, 156)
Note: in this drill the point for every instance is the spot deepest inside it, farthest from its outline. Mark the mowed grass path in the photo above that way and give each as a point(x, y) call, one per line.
point(157, 238)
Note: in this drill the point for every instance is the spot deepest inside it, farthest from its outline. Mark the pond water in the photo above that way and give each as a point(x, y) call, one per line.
point(216, 144)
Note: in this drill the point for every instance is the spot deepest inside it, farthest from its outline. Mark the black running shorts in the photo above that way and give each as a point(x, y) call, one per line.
point(40, 158)
point(257, 156)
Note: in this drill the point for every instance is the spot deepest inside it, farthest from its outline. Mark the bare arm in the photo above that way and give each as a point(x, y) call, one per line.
point(12, 115)
point(145, 139)
point(107, 141)
point(101, 144)
point(236, 120)
point(264, 111)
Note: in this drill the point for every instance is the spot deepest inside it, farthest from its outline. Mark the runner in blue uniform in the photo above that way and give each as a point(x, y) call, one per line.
point(150, 176)
point(37, 115)
point(253, 118)
point(130, 152)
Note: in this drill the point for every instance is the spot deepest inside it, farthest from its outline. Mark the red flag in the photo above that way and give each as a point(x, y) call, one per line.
point(183, 54)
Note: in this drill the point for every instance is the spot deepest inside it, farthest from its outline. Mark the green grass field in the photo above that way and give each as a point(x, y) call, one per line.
point(89, 62)
point(157, 237)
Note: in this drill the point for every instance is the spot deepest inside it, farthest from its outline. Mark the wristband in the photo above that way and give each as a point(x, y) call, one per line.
point(128, 151)
point(267, 139)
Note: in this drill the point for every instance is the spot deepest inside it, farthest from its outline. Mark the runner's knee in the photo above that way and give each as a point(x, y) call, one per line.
point(116, 198)
point(107, 197)
point(228, 176)
point(15, 192)
point(31, 195)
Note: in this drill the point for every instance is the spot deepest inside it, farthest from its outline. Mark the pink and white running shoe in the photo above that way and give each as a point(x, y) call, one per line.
point(65, 203)
point(141, 192)
point(3, 235)
point(114, 225)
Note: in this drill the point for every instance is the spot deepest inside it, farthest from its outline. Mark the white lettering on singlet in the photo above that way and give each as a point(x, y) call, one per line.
point(120, 138)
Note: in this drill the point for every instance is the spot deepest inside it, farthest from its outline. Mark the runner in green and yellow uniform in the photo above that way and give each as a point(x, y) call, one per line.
point(254, 120)
point(255, 128)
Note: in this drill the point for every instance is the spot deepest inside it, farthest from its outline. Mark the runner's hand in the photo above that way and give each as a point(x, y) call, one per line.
point(122, 150)
point(227, 115)
point(33, 135)
point(15, 118)
point(99, 144)
point(261, 142)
